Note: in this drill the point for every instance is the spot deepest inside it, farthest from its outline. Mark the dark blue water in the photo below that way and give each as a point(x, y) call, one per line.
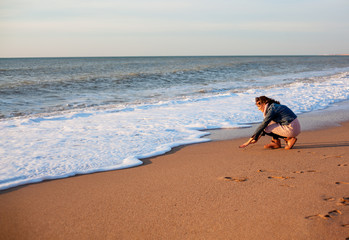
point(48, 85)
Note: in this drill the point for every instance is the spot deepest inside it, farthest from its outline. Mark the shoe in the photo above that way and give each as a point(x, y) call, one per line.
point(275, 143)
point(290, 142)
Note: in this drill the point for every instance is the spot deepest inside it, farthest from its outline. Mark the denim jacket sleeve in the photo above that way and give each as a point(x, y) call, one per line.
point(267, 119)
point(280, 114)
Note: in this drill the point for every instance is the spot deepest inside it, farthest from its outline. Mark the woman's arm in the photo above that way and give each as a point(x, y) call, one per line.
point(251, 140)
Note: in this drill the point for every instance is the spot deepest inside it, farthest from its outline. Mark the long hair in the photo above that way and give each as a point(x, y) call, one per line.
point(264, 99)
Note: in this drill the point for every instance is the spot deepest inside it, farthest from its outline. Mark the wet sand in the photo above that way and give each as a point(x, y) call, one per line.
point(203, 191)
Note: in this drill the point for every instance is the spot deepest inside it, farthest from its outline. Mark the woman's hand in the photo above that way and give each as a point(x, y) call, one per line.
point(250, 141)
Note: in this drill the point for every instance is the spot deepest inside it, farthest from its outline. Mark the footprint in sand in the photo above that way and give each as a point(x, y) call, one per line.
point(329, 199)
point(335, 156)
point(280, 177)
point(232, 179)
point(298, 172)
point(327, 216)
point(270, 171)
point(306, 171)
point(344, 201)
point(340, 183)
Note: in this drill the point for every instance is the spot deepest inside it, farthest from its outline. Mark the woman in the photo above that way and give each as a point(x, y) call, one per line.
point(279, 122)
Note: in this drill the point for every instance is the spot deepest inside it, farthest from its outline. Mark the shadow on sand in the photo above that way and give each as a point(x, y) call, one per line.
point(321, 145)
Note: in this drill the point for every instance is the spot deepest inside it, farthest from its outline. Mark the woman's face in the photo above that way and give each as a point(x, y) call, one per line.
point(260, 106)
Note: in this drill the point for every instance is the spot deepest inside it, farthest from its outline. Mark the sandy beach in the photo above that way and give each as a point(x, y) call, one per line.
point(203, 191)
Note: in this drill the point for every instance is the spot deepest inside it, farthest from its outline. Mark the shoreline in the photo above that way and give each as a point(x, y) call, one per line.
point(340, 110)
point(210, 190)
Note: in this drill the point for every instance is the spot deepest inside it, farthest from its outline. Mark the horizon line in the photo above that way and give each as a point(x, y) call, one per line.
point(140, 56)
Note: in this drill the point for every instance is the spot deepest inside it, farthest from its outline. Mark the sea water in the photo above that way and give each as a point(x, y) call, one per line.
point(65, 116)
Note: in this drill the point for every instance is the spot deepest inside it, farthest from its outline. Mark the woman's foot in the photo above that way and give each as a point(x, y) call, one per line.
point(275, 143)
point(290, 142)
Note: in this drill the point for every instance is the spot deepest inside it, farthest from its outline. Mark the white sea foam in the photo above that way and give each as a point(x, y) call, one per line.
point(37, 148)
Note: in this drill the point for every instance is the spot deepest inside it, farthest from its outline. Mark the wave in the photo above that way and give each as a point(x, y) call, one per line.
point(47, 98)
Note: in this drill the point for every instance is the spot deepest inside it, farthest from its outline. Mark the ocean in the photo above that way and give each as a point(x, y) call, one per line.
point(65, 116)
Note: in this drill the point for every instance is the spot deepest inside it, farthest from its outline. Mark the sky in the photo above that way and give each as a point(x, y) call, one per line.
point(80, 28)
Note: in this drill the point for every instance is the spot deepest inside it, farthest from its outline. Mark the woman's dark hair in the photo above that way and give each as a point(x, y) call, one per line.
point(264, 99)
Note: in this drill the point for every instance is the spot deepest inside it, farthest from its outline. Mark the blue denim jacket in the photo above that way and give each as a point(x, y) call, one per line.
point(280, 114)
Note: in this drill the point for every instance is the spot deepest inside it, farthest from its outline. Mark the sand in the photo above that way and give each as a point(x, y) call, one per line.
point(203, 191)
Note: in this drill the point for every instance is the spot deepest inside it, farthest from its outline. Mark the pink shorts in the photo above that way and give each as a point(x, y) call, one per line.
point(291, 130)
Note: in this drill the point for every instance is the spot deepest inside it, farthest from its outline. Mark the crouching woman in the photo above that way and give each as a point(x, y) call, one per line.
point(279, 122)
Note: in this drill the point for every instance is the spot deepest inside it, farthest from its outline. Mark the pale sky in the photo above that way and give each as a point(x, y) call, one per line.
point(72, 28)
